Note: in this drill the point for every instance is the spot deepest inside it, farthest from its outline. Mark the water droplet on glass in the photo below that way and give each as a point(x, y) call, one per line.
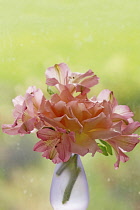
point(25, 191)
point(32, 180)
point(108, 179)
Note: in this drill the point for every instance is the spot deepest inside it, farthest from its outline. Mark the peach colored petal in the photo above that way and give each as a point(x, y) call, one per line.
point(51, 81)
point(9, 129)
point(132, 127)
point(95, 109)
point(78, 149)
point(27, 126)
point(46, 109)
point(105, 133)
point(98, 122)
point(40, 146)
point(80, 88)
point(79, 110)
point(119, 154)
point(70, 123)
point(120, 157)
point(84, 144)
point(47, 134)
point(19, 100)
point(123, 110)
point(59, 108)
point(90, 82)
point(52, 154)
point(55, 98)
point(59, 72)
point(66, 96)
point(104, 95)
point(118, 117)
point(126, 142)
point(64, 149)
point(77, 77)
point(55, 122)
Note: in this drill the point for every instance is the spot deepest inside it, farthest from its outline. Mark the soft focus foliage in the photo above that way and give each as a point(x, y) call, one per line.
point(103, 36)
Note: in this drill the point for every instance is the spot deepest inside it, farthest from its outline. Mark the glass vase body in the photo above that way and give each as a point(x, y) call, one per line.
point(79, 196)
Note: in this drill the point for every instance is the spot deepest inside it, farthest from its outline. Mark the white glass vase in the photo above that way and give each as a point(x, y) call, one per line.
point(69, 189)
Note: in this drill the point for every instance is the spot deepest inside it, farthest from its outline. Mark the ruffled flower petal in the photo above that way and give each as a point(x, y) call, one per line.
point(60, 76)
point(55, 144)
point(123, 110)
point(10, 129)
point(131, 128)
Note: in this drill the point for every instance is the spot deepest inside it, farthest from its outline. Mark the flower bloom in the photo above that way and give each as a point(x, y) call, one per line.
point(55, 144)
point(60, 76)
point(25, 113)
point(126, 141)
point(69, 124)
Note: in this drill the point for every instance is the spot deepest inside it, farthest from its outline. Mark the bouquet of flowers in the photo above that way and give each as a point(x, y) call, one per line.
point(71, 124)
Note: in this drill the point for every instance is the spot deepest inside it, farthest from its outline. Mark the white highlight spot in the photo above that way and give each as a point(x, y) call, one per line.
point(25, 191)
point(108, 179)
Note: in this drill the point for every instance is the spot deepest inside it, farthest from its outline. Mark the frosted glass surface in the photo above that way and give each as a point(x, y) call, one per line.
point(98, 35)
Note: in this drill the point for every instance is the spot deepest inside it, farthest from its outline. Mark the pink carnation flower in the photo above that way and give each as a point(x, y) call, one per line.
point(69, 124)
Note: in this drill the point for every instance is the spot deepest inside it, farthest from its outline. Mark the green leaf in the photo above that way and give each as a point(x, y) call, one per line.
point(108, 147)
point(103, 148)
point(49, 90)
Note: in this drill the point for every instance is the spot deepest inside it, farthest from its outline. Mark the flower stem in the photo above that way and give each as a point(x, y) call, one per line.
point(65, 165)
point(74, 172)
point(70, 185)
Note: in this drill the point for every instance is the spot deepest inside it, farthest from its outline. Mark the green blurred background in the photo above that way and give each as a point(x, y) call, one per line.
point(100, 35)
